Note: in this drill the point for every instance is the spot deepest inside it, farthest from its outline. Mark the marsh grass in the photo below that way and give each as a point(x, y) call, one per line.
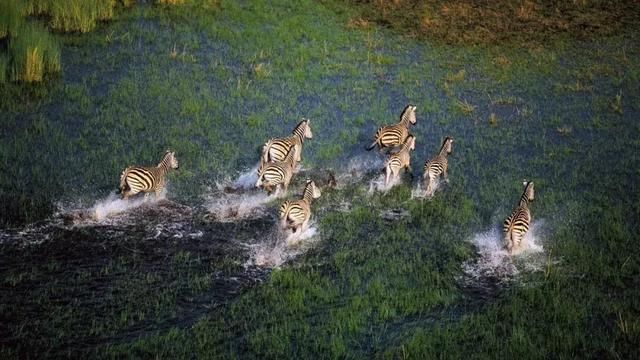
point(34, 53)
point(10, 17)
point(526, 23)
point(374, 285)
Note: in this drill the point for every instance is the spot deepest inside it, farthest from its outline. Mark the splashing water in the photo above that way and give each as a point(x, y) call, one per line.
point(113, 204)
point(232, 207)
point(247, 180)
point(239, 200)
point(377, 184)
point(358, 167)
point(495, 262)
point(419, 192)
point(279, 246)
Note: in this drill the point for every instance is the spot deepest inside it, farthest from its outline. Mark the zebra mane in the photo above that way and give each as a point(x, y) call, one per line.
point(444, 142)
point(300, 127)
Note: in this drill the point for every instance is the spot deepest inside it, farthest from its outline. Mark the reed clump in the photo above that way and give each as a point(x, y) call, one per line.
point(34, 52)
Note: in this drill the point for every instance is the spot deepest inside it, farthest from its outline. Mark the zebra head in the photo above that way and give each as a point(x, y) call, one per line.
point(315, 191)
point(307, 129)
point(169, 159)
point(408, 114)
point(528, 189)
point(411, 142)
point(447, 144)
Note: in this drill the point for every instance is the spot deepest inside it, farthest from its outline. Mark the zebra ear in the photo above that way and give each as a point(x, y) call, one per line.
point(524, 182)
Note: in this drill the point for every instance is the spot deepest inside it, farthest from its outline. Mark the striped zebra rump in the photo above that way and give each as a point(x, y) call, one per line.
point(396, 134)
point(296, 214)
point(277, 149)
point(136, 179)
point(517, 224)
point(437, 166)
point(399, 160)
point(389, 136)
point(277, 173)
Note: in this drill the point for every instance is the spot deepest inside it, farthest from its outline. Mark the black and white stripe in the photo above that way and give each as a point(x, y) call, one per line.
point(400, 159)
point(437, 166)
point(277, 173)
point(136, 179)
point(277, 149)
point(517, 224)
point(396, 134)
point(295, 214)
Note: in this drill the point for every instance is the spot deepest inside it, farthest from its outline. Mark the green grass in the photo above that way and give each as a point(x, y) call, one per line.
point(34, 53)
point(214, 82)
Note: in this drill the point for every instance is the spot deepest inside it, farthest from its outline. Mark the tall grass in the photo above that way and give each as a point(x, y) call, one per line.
point(34, 52)
point(10, 17)
point(4, 65)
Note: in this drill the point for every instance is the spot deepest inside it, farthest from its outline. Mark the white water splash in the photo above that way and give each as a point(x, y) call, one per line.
point(239, 199)
point(232, 207)
point(280, 246)
point(419, 192)
point(247, 180)
point(113, 204)
point(495, 261)
point(377, 184)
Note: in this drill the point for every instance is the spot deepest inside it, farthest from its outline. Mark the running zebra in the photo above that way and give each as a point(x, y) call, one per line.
point(437, 166)
point(135, 179)
point(517, 224)
point(295, 214)
point(277, 149)
point(394, 135)
point(400, 159)
point(277, 173)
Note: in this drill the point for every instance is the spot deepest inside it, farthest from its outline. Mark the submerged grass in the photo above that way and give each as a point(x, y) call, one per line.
point(385, 277)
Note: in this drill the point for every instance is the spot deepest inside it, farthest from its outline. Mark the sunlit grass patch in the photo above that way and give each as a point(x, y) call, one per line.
point(34, 53)
point(464, 107)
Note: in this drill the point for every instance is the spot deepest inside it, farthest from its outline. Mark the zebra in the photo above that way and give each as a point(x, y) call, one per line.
point(400, 159)
point(437, 166)
point(396, 134)
point(277, 149)
point(517, 224)
point(295, 214)
point(135, 179)
point(277, 173)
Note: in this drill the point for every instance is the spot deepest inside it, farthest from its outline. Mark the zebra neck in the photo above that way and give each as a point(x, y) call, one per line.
point(299, 133)
point(443, 151)
point(524, 200)
point(308, 196)
point(163, 166)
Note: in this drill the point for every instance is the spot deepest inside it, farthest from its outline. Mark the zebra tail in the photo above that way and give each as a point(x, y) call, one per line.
point(370, 147)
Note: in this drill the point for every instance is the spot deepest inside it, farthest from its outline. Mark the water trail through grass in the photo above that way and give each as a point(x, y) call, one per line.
point(420, 192)
point(113, 205)
point(495, 262)
point(238, 199)
point(378, 183)
point(279, 246)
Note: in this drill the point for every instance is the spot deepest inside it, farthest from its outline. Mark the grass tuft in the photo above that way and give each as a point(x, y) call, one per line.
point(34, 53)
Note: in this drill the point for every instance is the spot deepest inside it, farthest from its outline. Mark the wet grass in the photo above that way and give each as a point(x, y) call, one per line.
point(214, 82)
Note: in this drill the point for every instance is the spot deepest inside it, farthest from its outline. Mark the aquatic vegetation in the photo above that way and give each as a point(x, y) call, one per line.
point(379, 274)
point(34, 53)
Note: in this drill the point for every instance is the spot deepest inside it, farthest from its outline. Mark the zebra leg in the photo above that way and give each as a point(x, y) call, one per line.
point(446, 174)
point(387, 175)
